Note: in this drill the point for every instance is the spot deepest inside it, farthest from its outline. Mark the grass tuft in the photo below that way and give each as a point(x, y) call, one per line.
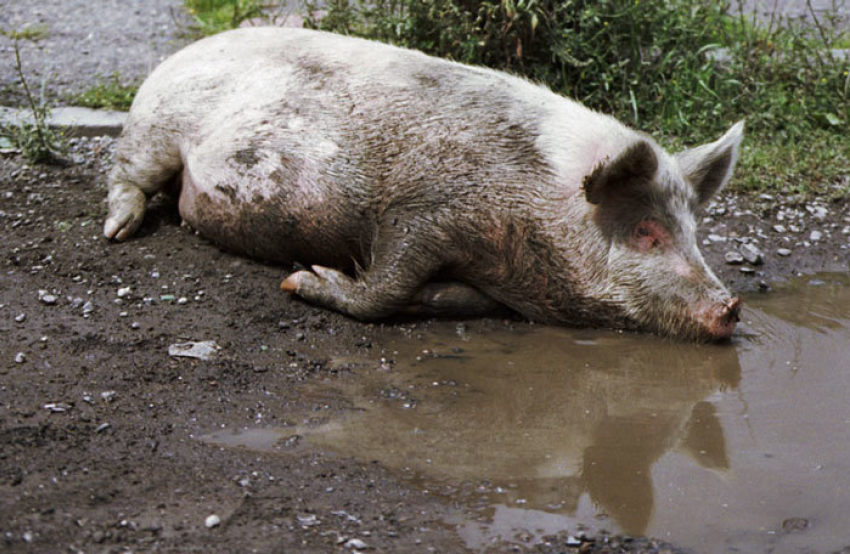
point(111, 94)
point(213, 16)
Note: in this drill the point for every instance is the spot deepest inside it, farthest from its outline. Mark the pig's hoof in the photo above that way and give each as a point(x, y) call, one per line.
point(126, 211)
point(290, 284)
point(319, 285)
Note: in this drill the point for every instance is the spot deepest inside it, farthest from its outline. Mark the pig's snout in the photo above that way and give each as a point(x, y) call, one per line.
point(719, 319)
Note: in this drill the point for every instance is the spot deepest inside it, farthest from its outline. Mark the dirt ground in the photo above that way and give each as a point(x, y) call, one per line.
point(98, 424)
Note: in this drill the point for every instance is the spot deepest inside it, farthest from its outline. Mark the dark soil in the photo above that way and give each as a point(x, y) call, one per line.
point(98, 424)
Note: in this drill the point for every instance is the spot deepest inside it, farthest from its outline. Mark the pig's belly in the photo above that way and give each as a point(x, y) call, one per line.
point(270, 221)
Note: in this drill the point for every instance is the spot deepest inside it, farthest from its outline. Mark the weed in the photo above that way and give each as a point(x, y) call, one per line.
point(653, 63)
point(111, 94)
point(33, 34)
point(213, 16)
point(38, 142)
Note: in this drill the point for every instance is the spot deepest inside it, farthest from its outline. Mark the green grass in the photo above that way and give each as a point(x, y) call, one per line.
point(34, 33)
point(38, 142)
point(649, 63)
point(817, 166)
point(213, 16)
point(111, 94)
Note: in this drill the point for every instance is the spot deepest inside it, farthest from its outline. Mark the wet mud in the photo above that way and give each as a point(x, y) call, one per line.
point(305, 431)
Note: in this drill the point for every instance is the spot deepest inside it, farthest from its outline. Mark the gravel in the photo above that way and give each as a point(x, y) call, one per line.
point(86, 40)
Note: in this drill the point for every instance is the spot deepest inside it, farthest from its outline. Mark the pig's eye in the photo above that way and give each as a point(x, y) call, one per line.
point(649, 235)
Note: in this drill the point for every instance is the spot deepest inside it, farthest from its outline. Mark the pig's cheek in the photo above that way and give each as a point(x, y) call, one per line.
point(681, 267)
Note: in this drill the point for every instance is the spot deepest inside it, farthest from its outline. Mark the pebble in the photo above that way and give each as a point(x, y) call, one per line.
point(752, 254)
point(716, 238)
point(815, 236)
point(573, 541)
point(307, 520)
point(746, 269)
point(88, 308)
point(103, 427)
point(20, 318)
point(20, 358)
point(46, 298)
point(108, 395)
point(202, 350)
point(122, 292)
point(356, 544)
point(734, 258)
point(58, 407)
point(846, 230)
point(779, 228)
point(793, 524)
point(818, 212)
point(212, 521)
point(783, 252)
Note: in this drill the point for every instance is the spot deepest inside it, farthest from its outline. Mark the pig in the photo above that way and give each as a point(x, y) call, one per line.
point(412, 184)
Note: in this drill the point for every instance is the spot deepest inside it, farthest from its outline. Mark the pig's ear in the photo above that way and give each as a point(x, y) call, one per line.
point(709, 167)
point(626, 176)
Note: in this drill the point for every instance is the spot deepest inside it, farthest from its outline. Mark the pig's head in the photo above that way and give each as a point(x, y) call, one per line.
point(645, 204)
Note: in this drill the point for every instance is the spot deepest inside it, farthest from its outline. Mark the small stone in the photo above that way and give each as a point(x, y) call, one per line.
point(818, 212)
point(125, 291)
point(779, 228)
point(793, 524)
point(182, 300)
point(747, 270)
point(846, 230)
point(212, 521)
point(716, 238)
point(815, 236)
point(734, 258)
point(20, 318)
point(752, 254)
point(202, 350)
point(27, 536)
point(108, 395)
point(88, 308)
point(20, 358)
point(103, 427)
point(573, 541)
point(784, 252)
point(58, 407)
point(307, 520)
point(356, 544)
point(46, 298)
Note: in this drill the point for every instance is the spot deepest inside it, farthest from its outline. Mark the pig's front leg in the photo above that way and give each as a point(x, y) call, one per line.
point(403, 260)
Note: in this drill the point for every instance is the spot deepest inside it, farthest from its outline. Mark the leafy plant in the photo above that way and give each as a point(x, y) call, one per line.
point(38, 142)
point(111, 94)
point(33, 34)
point(214, 16)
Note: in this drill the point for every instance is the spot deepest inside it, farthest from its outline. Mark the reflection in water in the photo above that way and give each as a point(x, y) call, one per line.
point(545, 418)
point(553, 427)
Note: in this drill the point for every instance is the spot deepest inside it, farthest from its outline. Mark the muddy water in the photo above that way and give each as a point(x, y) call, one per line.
point(537, 430)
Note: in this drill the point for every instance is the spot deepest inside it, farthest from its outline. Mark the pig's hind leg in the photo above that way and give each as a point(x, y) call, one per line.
point(146, 161)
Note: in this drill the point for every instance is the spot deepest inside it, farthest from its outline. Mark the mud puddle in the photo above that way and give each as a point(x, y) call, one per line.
point(539, 430)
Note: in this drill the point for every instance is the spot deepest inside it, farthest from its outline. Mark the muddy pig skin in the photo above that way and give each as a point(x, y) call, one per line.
point(418, 185)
